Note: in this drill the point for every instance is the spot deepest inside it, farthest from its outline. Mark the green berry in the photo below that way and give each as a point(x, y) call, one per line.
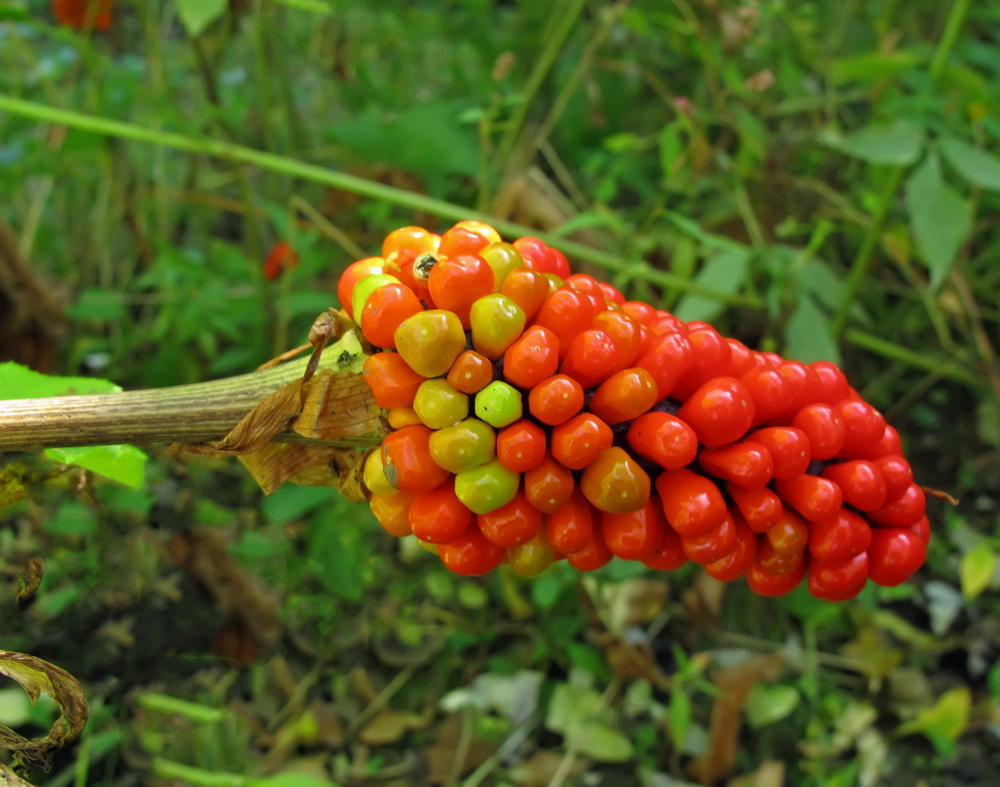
point(499, 404)
point(487, 487)
point(496, 323)
point(438, 405)
point(463, 446)
point(502, 258)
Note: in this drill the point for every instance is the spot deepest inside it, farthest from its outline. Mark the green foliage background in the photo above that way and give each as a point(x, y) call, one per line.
point(819, 179)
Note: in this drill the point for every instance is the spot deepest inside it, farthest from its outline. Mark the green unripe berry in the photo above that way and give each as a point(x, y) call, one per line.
point(499, 404)
point(502, 258)
point(487, 487)
point(363, 291)
point(438, 405)
point(496, 323)
point(463, 446)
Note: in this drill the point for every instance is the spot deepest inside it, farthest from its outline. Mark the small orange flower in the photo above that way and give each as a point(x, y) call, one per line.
point(282, 257)
point(80, 14)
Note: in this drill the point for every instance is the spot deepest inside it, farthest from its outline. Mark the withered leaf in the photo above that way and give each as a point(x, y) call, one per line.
point(36, 676)
point(31, 578)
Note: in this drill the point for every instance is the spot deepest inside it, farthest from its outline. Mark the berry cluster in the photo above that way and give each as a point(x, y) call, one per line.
point(537, 415)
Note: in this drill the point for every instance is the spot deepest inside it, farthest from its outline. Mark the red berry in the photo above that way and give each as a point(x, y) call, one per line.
point(592, 357)
point(736, 564)
point(406, 457)
point(822, 425)
point(839, 537)
point(385, 310)
point(566, 313)
point(747, 464)
point(788, 536)
point(770, 561)
point(713, 545)
point(692, 503)
point(764, 583)
point(894, 555)
point(670, 554)
point(556, 400)
point(789, 448)
point(513, 524)
point(626, 334)
point(460, 241)
point(772, 393)
point(438, 516)
point(471, 554)
point(741, 358)
point(720, 411)
point(813, 497)
point(861, 483)
point(807, 388)
point(923, 529)
point(863, 424)
point(664, 439)
point(458, 282)
point(392, 512)
point(635, 535)
point(580, 440)
point(624, 395)
point(521, 446)
point(391, 380)
point(353, 273)
point(760, 507)
point(470, 373)
point(571, 527)
point(539, 256)
point(667, 358)
point(527, 288)
point(897, 473)
point(548, 485)
point(711, 359)
point(641, 312)
point(902, 511)
point(838, 581)
point(615, 482)
point(593, 556)
point(833, 383)
point(533, 357)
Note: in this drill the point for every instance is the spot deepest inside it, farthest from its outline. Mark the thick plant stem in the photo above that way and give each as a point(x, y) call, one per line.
point(196, 413)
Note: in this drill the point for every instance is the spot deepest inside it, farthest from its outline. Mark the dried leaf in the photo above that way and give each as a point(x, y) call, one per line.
point(769, 774)
point(389, 726)
point(31, 578)
point(10, 779)
point(36, 676)
point(734, 685)
point(540, 768)
point(11, 485)
point(599, 741)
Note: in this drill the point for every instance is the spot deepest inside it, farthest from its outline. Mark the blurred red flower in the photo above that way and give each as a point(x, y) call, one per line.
point(78, 14)
point(282, 257)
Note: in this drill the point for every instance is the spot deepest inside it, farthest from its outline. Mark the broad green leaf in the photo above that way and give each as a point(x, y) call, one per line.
point(977, 569)
point(20, 382)
point(945, 722)
point(940, 218)
point(976, 166)
point(672, 147)
point(97, 304)
point(724, 273)
point(598, 741)
point(768, 704)
point(125, 464)
point(570, 703)
point(196, 15)
point(873, 66)
point(807, 334)
point(897, 143)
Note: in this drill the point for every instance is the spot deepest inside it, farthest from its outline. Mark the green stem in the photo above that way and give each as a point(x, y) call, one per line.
point(199, 777)
point(314, 173)
point(952, 27)
point(905, 355)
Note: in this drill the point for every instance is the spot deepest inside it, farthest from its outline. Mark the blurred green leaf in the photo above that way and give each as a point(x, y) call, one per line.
point(945, 722)
point(725, 273)
point(570, 703)
point(679, 716)
point(95, 303)
point(873, 66)
point(976, 166)
point(125, 464)
point(197, 15)
point(71, 519)
point(940, 218)
point(807, 334)
point(977, 569)
point(598, 741)
point(769, 704)
point(897, 143)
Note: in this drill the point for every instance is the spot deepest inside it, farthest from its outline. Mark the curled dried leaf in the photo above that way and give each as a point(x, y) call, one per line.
point(36, 676)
